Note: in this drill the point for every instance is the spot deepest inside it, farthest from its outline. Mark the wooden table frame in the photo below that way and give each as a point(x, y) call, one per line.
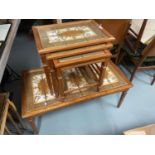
point(103, 58)
point(30, 115)
point(31, 119)
point(49, 61)
point(102, 42)
point(42, 50)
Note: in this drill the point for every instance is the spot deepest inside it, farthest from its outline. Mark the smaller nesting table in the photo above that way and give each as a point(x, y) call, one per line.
point(74, 64)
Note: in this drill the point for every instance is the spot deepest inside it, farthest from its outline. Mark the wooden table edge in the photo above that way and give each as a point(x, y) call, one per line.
point(27, 115)
point(51, 108)
point(42, 50)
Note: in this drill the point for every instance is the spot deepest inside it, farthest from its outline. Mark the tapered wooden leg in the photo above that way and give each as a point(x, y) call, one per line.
point(102, 74)
point(32, 124)
point(47, 72)
point(53, 78)
point(137, 67)
point(132, 76)
point(61, 85)
point(118, 54)
point(121, 98)
point(14, 123)
point(153, 80)
point(48, 77)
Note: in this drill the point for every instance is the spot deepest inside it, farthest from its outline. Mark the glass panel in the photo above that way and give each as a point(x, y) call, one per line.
point(80, 56)
point(66, 35)
point(77, 78)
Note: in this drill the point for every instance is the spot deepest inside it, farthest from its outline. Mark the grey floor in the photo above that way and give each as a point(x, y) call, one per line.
point(98, 116)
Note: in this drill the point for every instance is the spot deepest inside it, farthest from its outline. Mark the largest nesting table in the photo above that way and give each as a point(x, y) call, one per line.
point(38, 100)
point(83, 48)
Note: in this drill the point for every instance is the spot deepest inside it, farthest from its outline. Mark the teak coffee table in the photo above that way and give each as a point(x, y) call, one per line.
point(37, 98)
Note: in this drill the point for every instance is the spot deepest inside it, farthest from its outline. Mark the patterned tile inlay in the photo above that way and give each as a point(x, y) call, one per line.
point(40, 88)
point(71, 33)
point(67, 35)
point(41, 93)
point(110, 77)
point(74, 79)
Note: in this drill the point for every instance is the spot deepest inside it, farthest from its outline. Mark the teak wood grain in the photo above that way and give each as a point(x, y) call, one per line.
point(79, 51)
point(91, 59)
point(51, 107)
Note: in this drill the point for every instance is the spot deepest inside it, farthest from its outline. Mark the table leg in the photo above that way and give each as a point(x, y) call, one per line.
point(102, 74)
point(153, 80)
point(61, 84)
point(121, 98)
point(47, 72)
point(48, 77)
point(33, 125)
point(53, 77)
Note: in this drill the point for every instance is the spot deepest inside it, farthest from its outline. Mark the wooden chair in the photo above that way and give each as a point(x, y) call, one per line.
point(133, 39)
point(147, 55)
point(118, 28)
point(9, 113)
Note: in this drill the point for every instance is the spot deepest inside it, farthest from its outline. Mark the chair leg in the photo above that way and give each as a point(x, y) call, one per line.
point(7, 131)
point(32, 124)
point(133, 74)
point(137, 67)
point(119, 55)
point(121, 98)
point(14, 123)
point(12, 106)
point(153, 80)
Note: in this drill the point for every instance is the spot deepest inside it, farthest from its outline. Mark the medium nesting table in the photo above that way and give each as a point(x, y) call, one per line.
point(76, 67)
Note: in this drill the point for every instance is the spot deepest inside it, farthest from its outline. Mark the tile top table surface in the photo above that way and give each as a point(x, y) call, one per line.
point(79, 51)
point(37, 99)
point(78, 60)
point(65, 36)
